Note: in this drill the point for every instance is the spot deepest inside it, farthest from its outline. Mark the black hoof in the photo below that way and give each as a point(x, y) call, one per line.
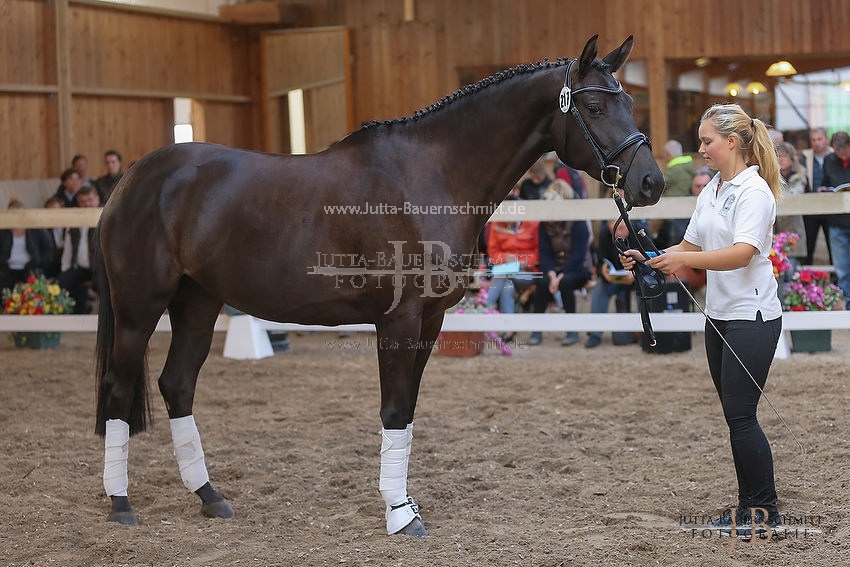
point(219, 509)
point(124, 517)
point(414, 529)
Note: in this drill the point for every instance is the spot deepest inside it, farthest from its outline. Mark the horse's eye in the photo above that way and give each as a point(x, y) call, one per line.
point(594, 108)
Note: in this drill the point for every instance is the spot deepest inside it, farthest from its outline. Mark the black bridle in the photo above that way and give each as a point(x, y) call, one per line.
point(610, 173)
point(649, 282)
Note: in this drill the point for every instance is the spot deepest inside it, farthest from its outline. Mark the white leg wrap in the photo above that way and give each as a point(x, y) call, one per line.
point(189, 453)
point(395, 455)
point(117, 444)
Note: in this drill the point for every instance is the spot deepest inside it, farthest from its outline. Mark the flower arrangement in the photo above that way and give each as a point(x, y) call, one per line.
point(478, 304)
point(36, 296)
point(811, 290)
point(782, 245)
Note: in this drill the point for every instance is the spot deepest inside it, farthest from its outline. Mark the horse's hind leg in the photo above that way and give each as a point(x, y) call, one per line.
point(193, 312)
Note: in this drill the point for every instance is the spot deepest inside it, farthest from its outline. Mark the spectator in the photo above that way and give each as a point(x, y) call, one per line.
point(794, 176)
point(22, 251)
point(672, 231)
point(512, 246)
point(76, 276)
point(836, 171)
point(81, 165)
point(814, 165)
point(107, 182)
point(535, 185)
point(679, 171)
point(571, 176)
point(67, 191)
point(565, 263)
point(607, 285)
point(54, 266)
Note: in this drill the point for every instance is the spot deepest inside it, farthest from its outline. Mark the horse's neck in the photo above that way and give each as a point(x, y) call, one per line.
point(496, 135)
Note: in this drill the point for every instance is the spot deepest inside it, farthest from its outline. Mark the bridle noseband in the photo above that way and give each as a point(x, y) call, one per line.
point(610, 173)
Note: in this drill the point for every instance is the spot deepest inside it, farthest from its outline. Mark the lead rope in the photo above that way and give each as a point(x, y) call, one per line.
point(641, 235)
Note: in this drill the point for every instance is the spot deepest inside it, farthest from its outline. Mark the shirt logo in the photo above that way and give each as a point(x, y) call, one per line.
point(727, 204)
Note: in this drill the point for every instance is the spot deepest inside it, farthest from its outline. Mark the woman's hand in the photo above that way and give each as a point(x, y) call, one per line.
point(627, 259)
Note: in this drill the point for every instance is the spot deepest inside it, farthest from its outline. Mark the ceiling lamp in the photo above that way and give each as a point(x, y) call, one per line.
point(780, 69)
point(756, 87)
point(734, 89)
point(702, 62)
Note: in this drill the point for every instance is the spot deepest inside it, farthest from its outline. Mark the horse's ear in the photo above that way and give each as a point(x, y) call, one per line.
point(587, 56)
point(616, 58)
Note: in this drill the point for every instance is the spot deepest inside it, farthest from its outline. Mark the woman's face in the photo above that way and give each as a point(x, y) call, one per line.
point(718, 150)
point(784, 161)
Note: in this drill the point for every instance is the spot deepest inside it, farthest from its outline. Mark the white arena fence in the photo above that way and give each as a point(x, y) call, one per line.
point(247, 336)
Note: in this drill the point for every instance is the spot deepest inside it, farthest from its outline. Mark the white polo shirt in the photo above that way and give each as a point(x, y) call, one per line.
point(743, 210)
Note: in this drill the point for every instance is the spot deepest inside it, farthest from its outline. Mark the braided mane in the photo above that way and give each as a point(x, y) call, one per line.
point(464, 92)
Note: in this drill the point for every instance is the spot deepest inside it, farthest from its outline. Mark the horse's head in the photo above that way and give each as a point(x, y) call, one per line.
point(596, 131)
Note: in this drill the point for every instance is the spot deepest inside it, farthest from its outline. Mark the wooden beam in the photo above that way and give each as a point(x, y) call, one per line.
point(150, 93)
point(28, 89)
point(63, 70)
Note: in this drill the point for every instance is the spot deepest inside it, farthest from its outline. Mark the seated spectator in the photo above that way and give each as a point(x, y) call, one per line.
point(608, 285)
point(23, 251)
point(54, 266)
point(535, 185)
point(512, 246)
point(106, 183)
point(565, 262)
point(571, 176)
point(68, 189)
point(76, 276)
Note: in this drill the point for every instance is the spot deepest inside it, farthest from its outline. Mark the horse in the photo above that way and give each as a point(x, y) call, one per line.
point(193, 226)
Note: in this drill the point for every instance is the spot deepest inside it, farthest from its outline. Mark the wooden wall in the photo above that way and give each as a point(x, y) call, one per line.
point(125, 64)
point(124, 68)
point(400, 65)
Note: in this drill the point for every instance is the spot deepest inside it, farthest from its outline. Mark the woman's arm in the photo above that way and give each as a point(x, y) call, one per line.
point(687, 255)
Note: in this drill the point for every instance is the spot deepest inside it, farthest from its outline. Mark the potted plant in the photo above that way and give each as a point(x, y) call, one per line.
point(812, 290)
point(783, 243)
point(460, 343)
point(36, 296)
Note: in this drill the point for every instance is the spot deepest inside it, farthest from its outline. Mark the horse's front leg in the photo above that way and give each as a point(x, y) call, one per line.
point(397, 351)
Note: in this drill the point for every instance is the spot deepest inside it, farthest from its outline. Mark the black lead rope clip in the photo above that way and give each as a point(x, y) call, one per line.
point(650, 282)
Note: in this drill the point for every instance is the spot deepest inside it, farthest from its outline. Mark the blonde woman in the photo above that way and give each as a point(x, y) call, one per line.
point(729, 236)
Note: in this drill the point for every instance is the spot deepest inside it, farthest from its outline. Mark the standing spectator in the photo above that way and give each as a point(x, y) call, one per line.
point(535, 185)
point(678, 175)
point(77, 263)
point(67, 191)
point(106, 183)
point(679, 171)
point(730, 236)
point(81, 165)
point(836, 171)
point(814, 164)
point(700, 180)
point(565, 262)
point(22, 251)
point(794, 176)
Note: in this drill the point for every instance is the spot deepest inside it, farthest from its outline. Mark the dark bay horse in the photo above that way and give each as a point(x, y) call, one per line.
point(193, 226)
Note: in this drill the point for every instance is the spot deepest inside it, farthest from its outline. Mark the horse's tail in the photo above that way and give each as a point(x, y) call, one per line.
point(140, 409)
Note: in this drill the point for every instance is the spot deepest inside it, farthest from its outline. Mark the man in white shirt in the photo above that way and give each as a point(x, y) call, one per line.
point(76, 273)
